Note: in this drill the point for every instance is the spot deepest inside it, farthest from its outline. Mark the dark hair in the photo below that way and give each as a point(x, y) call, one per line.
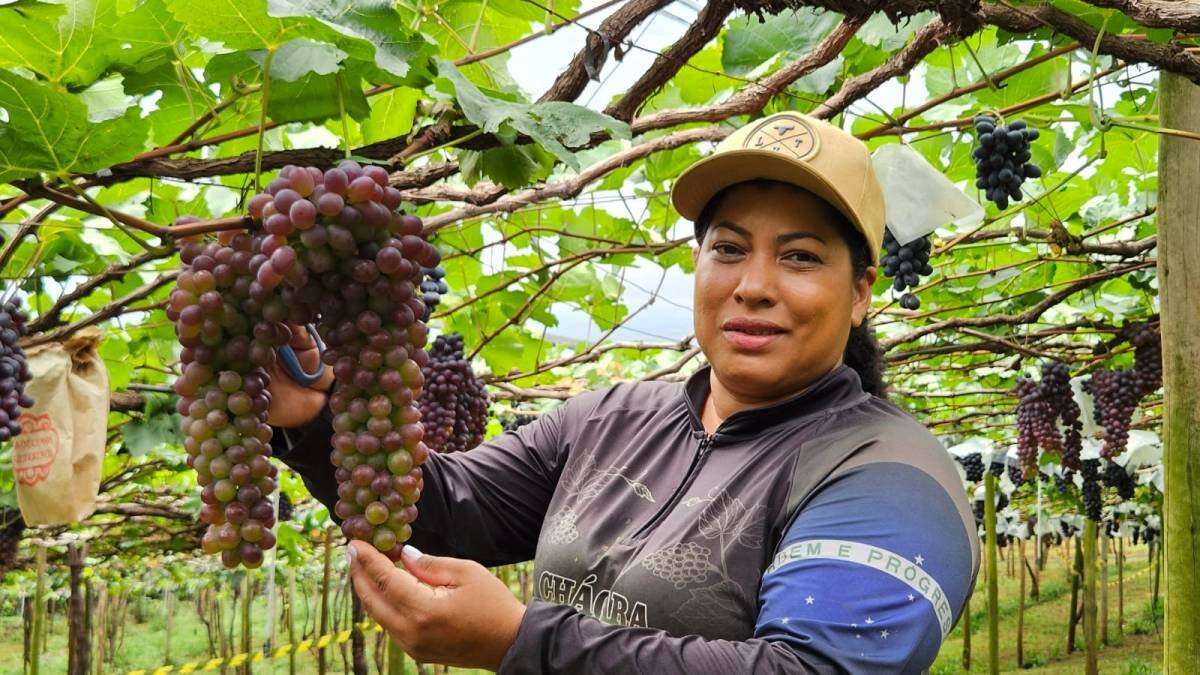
point(862, 351)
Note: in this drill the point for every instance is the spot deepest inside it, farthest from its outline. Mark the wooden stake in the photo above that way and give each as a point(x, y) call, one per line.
point(993, 589)
point(325, 598)
point(1104, 585)
point(247, 593)
point(1120, 585)
point(1179, 295)
point(1090, 633)
point(966, 654)
point(291, 619)
point(39, 611)
point(88, 602)
point(1076, 582)
point(358, 643)
point(77, 644)
point(1021, 607)
point(1158, 559)
point(220, 620)
point(169, 607)
point(102, 628)
point(26, 631)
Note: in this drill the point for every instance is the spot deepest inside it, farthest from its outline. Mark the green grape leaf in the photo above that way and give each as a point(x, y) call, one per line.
point(370, 29)
point(555, 125)
point(513, 166)
point(314, 98)
point(236, 24)
point(49, 131)
point(148, 31)
point(149, 433)
point(177, 101)
point(749, 44)
point(299, 57)
point(68, 44)
point(391, 115)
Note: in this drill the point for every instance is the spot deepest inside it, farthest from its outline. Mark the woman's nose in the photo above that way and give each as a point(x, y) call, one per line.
point(757, 284)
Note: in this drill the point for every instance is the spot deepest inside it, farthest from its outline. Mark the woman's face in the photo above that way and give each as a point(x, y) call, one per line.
point(774, 291)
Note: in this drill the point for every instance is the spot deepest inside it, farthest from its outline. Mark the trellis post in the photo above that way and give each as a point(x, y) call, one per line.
point(1179, 291)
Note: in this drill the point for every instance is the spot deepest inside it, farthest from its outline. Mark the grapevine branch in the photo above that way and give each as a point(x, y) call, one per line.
point(1173, 57)
point(107, 312)
point(1181, 16)
point(1028, 316)
point(708, 23)
point(588, 62)
point(928, 38)
point(51, 317)
point(571, 187)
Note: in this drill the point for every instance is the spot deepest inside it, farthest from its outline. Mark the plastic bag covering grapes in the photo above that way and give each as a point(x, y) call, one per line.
point(57, 456)
point(919, 198)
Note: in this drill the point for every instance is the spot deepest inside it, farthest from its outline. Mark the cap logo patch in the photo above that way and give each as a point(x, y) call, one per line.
point(784, 134)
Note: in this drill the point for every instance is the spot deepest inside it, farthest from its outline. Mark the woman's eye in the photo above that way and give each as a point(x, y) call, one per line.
point(725, 249)
point(802, 256)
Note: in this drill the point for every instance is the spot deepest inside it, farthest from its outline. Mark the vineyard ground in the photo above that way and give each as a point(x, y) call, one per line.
point(1138, 651)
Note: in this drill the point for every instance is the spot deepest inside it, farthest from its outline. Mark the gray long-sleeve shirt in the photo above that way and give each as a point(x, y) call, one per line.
point(826, 533)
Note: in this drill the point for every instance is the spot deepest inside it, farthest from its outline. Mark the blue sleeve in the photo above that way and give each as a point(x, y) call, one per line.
point(871, 574)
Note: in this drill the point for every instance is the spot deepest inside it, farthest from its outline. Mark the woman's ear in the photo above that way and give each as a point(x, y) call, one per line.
point(695, 253)
point(863, 296)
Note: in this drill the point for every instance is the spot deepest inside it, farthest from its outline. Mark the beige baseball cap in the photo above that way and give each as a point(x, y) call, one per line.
point(793, 148)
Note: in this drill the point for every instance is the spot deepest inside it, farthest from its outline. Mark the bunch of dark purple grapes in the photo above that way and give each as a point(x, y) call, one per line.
point(996, 468)
point(12, 526)
point(1002, 158)
point(1068, 530)
point(1063, 483)
point(972, 464)
point(906, 264)
point(454, 405)
point(1115, 476)
point(331, 249)
point(287, 510)
point(433, 288)
point(1117, 392)
point(1016, 475)
point(1040, 405)
point(1093, 500)
point(14, 369)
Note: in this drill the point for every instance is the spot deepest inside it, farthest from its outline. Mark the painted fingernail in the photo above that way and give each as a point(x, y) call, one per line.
point(412, 552)
point(351, 553)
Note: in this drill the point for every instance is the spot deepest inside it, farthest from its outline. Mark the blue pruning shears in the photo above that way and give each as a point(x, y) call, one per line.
point(291, 364)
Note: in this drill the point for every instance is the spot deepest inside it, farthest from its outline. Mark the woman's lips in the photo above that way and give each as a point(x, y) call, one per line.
point(750, 341)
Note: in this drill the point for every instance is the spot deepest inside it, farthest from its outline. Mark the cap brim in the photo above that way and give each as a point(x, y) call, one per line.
point(705, 178)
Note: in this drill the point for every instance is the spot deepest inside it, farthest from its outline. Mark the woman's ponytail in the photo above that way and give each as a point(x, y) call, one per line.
point(864, 356)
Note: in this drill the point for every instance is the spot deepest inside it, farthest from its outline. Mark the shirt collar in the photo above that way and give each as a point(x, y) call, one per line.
point(837, 388)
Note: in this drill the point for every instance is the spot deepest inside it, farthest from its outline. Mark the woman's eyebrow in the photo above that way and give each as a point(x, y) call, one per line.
point(792, 236)
point(733, 226)
point(779, 241)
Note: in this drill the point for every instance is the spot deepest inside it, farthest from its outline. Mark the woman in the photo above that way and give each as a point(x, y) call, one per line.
point(772, 514)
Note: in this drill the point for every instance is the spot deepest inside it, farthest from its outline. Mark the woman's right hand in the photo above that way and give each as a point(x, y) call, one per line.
point(292, 404)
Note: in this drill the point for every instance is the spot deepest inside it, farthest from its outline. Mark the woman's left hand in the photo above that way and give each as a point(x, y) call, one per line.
point(440, 610)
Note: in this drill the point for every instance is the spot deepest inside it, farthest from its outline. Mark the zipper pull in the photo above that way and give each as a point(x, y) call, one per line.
point(706, 442)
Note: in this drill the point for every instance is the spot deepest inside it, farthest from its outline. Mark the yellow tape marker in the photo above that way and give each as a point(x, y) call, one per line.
point(257, 656)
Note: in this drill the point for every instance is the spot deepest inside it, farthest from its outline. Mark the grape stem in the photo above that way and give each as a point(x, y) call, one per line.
point(342, 110)
point(447, 144)
point(262, 116)
point(1119, 122)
